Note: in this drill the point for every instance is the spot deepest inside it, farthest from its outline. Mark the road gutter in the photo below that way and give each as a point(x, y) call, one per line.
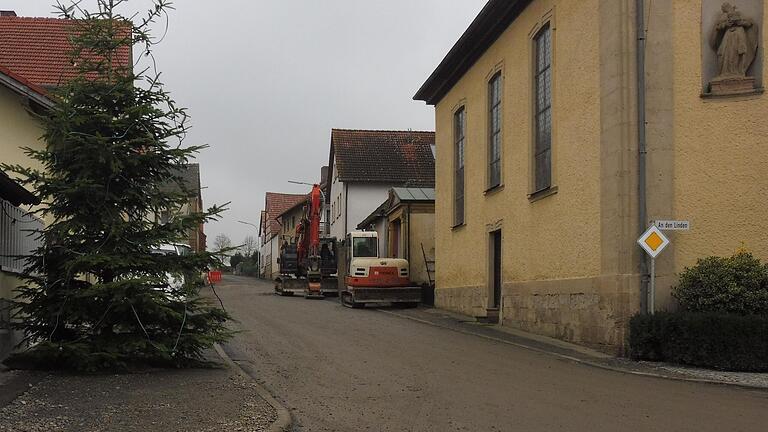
point(580, 360)
point(284, 422)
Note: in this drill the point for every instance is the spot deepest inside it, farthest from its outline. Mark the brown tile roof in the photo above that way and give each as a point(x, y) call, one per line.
point(38, 49)
point(394, 157)
point(189, 176)
point(23, 81)
point(294, 206)
point(275, 205)
point(24, 88)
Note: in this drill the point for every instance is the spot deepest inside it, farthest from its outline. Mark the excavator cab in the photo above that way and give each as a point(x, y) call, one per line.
point(328, 256)
point(370, 279)
point(289, 262)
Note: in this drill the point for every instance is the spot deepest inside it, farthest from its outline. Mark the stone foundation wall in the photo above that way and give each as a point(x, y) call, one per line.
point(590, 311)
point(468, 301)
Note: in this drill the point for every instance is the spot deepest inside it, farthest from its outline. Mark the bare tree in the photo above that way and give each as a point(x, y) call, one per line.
point(249, 246)
point(221, 242)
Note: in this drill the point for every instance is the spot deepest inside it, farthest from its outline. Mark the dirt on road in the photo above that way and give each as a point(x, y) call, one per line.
point(339, 369)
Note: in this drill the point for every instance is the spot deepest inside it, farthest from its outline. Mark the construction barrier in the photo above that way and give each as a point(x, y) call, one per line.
point(214, 276)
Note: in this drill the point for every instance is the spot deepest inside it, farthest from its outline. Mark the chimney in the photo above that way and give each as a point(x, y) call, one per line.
point(7, 13)
point(323, 175)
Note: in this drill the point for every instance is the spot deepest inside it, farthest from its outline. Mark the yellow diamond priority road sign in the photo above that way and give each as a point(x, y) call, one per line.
point(653, 241)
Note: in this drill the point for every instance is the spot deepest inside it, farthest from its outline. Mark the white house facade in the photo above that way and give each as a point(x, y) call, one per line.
point(366, 164)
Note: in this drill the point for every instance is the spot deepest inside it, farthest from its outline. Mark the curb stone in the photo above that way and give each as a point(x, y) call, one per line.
point(583, 361)
point(284, 422)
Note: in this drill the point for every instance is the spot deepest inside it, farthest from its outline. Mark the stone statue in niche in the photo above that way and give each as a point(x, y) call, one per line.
point(734, 38)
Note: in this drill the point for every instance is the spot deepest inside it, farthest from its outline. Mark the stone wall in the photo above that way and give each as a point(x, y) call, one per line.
point(464, 300)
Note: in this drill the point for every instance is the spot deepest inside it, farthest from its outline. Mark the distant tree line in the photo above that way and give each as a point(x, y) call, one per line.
point(246, 260)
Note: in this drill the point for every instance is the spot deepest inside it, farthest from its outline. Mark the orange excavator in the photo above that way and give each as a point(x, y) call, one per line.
point(356, 273)
point(309, 266)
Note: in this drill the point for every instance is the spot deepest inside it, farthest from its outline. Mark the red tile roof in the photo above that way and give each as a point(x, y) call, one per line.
point(38, 49)
point(23, 81)
point(398, 158)
point(275, 205)
point(300, 203)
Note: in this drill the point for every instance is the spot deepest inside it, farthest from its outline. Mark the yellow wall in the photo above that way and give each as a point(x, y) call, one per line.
point(19, 129)
point(565, 219)
point(422, 232)
point(289, 222)
point(721, 156)
point(570, 262)
point(707, 156)
point(417, 222)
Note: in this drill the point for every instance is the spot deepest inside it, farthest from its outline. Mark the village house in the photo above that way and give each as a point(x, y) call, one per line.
point(289, 219)
point(366, 164)
point(325, 226)
point(262, 249)
point(555, 154)
point(191, 188)
point(20, 101)
point(38, 49)
point(270, 230)
point(405, 223)
point(34, 60)
point(28, 68)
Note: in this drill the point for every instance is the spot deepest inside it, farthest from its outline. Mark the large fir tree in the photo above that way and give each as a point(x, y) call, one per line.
point(91, 300)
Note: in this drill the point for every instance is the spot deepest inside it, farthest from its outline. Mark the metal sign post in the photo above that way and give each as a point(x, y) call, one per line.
point(652, 290)
point(653, 241)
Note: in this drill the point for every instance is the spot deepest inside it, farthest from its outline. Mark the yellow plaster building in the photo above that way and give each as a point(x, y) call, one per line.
point(289, 220)
point(539, 192)
point(20, 102)
point(405, 224)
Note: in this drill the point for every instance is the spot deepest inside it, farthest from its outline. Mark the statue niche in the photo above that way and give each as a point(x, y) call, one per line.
point(734, 39)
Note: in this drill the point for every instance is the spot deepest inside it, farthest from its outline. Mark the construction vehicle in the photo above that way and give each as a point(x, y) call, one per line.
point(365, 278)
point(309, 266)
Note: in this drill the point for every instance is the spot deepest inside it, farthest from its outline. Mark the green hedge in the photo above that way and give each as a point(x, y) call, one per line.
point(249, 269)
point(713, 340)
point(737, 284)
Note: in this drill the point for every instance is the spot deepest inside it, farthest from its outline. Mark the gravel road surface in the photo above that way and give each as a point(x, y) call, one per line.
point(339, 369)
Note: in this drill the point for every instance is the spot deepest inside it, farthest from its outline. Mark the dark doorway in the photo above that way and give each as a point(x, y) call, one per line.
point(495, 276)
point(395, 249)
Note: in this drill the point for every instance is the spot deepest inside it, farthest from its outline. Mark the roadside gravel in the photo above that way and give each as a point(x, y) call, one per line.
point(177, 400)
point(750, 379)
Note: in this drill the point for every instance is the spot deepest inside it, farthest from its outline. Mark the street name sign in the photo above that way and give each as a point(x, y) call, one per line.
point(653, 241)
point(673, 225)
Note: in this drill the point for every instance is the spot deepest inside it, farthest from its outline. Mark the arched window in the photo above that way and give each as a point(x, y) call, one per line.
point(494, 131)
point(459, 120)
point(542, 163)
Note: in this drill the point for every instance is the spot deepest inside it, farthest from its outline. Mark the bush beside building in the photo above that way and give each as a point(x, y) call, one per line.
point(722, 322)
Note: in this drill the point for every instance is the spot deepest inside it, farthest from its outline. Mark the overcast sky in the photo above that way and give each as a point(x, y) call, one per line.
point(266, 80)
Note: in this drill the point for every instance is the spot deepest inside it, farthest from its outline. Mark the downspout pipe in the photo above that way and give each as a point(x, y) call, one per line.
point(346, 208)
point(642, 205)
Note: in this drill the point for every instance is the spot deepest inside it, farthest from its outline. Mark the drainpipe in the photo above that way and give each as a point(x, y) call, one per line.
point(642, 210)
point(346, 208)
point(408, 238)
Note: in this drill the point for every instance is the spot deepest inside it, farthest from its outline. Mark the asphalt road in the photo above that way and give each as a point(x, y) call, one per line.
point(339, 369)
